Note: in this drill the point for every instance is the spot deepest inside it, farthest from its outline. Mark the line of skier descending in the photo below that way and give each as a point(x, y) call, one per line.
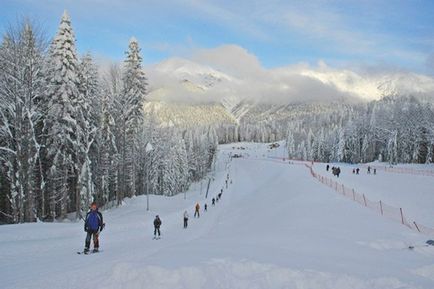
point(205, 206)
point(94, 223)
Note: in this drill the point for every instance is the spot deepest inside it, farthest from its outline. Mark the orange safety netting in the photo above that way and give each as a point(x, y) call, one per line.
point(402, 170)
point(380, 207)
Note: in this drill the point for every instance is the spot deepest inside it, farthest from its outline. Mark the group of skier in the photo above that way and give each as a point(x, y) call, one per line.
point(369, 170)
point(356, 171)
point(197, 208)
point(94, 224)
point(337, 170)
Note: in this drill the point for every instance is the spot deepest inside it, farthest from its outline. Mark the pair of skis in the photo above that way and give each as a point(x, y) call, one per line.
point(88, 252)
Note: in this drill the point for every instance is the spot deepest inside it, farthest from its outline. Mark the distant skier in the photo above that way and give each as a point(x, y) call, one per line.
point(338, 171)
point(327, 167)
point(157, 225)
point(196, 210)
point(205, 207)
point(354, 171)
point(369, 169)
point(185, 219)
point(357, 171)
point(213, 201)
point(93, 225)
point(375, 171)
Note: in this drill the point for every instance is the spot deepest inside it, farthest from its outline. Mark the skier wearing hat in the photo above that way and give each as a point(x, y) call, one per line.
point(93, 225)
point(157, 224)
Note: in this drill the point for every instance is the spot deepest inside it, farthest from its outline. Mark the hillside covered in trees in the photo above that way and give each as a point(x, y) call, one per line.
point(70, 134)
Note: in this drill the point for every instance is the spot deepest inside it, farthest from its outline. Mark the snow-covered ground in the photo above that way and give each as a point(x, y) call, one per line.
point(275, 227)
point(414, 193)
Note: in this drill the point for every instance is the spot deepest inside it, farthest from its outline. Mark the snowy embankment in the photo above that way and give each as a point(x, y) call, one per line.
point(275, 227)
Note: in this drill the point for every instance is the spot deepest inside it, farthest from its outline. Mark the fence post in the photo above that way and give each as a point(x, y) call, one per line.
point(364, 199)
point(416, 226)
point(402, 216)
point(354, 195)
point(381, 207)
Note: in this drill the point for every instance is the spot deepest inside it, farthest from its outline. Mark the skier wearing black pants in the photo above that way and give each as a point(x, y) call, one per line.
point(185, 220)
point(157, 224)
point(93, 225)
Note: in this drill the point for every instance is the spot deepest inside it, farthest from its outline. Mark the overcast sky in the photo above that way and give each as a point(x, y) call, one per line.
point(377, 33)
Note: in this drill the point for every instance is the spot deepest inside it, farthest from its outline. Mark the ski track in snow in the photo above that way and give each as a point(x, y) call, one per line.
point(275, 227)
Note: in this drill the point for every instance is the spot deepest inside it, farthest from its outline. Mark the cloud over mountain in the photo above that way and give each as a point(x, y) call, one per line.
point(230, 72)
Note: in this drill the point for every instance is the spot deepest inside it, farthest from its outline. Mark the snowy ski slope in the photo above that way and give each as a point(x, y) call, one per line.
point(275, 227)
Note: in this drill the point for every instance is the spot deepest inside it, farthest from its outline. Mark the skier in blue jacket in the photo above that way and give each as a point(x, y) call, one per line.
point(93, 225)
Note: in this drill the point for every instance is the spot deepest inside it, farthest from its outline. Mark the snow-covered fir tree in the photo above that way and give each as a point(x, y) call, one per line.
point(63, 123)
point(21, 87)
point(131, 103)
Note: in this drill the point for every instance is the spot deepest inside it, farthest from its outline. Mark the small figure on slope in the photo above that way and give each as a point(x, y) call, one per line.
point(185, 219)
point(93, 225)
point(213, 201)
point(205, 207)
point(157, 224)
point(196, 210)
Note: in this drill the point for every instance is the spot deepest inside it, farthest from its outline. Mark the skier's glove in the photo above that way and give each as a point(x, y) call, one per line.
point(102, 227)
point(85, 229)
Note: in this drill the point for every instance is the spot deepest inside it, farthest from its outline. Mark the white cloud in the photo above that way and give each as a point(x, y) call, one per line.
point(232, 59)
point(232, 72)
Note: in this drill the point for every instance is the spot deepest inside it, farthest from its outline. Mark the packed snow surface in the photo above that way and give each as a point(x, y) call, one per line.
point(411, 192)
point(275, 227)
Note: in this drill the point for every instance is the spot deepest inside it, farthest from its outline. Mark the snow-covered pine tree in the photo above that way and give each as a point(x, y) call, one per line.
point(87, 114)
point(21, 60)
point(132, 101)
point(61, 123)
point(110, 136)
point(290, 145)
